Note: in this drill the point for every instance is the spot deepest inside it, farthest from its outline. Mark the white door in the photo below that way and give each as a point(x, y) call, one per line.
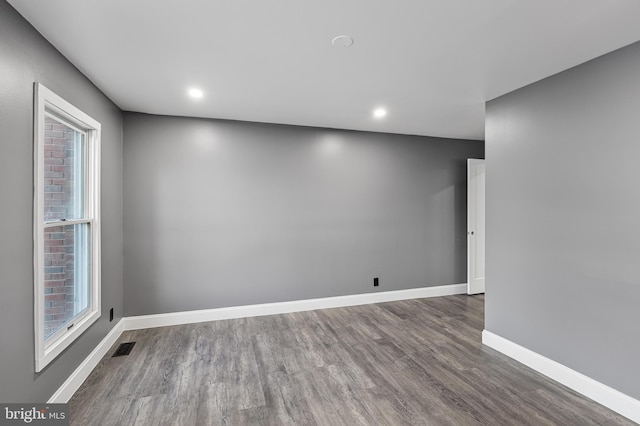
point(475, 226)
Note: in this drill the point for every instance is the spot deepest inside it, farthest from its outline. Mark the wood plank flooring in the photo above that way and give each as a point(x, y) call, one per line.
point(415, 362)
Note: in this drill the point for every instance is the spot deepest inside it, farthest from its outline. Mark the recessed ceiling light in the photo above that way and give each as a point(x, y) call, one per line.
point(196, 93)
point(379, 113)
point(342, 41)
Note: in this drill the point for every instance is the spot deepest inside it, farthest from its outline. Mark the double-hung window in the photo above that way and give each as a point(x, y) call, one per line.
point(66, 224)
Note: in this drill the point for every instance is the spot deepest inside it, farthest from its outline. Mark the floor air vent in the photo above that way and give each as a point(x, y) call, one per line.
point(124, 349)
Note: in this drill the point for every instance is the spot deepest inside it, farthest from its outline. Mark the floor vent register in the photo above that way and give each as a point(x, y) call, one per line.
point(124, 349)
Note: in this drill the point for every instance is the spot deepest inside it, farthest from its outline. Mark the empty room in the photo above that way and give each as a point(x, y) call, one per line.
point(229, 212)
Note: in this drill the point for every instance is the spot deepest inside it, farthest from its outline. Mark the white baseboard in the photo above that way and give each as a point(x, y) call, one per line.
point(205, 315)
point(75, 380)
point(615, 400)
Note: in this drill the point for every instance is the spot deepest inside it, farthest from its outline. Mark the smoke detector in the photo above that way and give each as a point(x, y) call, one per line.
point(342, 41)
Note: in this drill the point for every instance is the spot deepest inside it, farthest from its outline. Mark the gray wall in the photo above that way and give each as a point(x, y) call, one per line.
point(26, 57)
point(228, 213)
point(563, 215)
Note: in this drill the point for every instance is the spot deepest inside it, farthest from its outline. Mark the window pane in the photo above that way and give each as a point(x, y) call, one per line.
point(63, 171)
point(66, 275)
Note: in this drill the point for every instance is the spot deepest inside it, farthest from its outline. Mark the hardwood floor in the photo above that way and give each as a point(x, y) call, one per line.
point(415, 362)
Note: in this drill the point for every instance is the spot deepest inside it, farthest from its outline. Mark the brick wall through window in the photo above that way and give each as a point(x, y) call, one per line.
point(58, 241)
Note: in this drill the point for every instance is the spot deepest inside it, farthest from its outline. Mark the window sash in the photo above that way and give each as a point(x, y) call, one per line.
point(82, 285)
point(81, 195)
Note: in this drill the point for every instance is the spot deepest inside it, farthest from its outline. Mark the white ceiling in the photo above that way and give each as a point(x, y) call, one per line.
point(431, 63)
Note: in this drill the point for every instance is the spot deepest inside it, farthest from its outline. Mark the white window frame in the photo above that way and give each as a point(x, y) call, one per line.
point(48, 103)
